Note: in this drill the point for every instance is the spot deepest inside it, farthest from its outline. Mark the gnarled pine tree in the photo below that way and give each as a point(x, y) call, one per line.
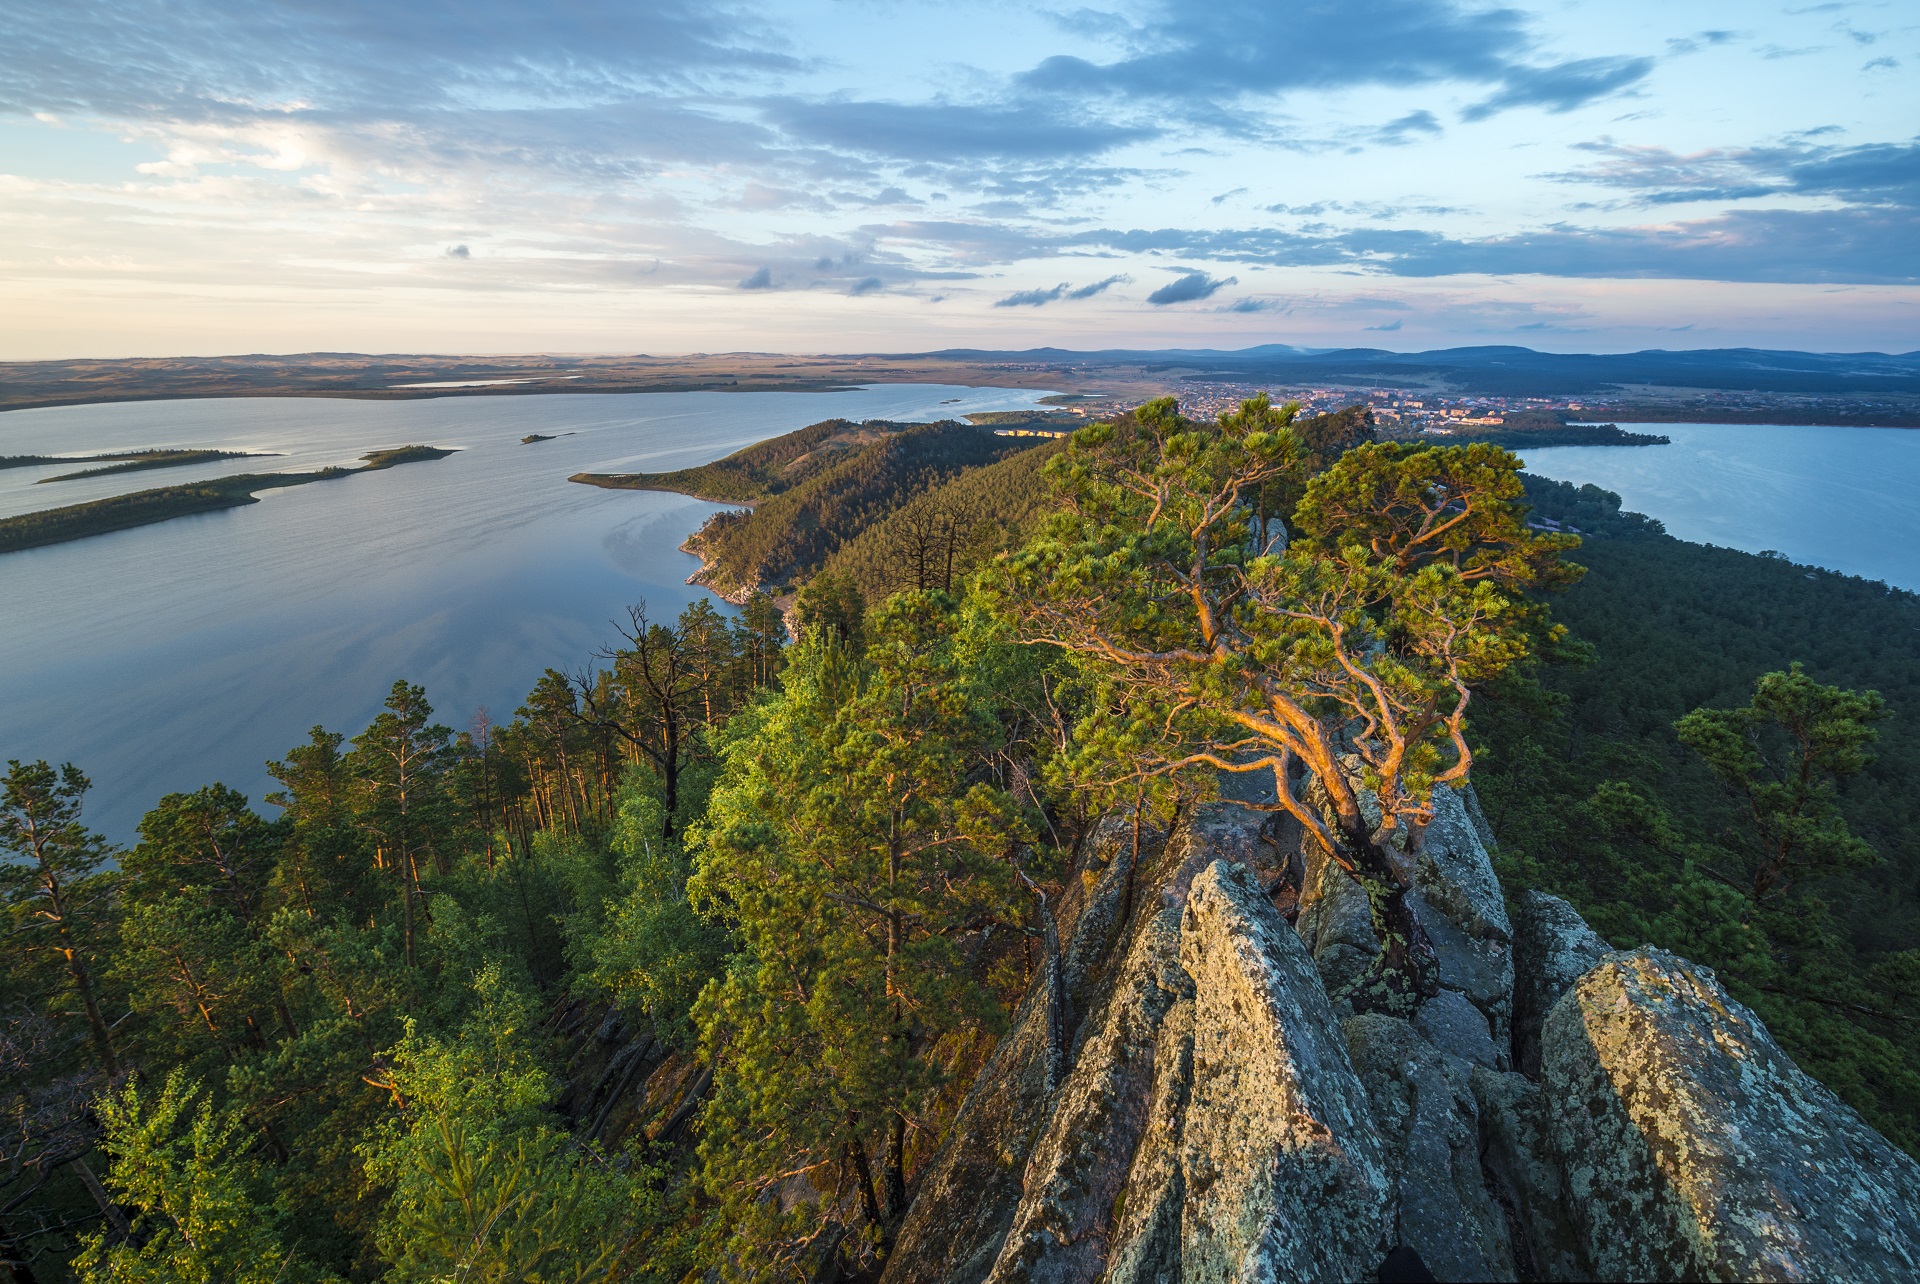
point(1349, 652)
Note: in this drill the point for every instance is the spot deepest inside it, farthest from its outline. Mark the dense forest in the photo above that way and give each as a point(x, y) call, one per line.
point(790, 875)
point(787, 536)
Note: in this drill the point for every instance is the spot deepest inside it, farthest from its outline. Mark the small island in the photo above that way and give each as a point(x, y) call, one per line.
point(144, 508)
point(532, 437)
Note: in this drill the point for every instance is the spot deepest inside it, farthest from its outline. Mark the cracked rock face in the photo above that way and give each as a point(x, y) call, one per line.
point(1424, 1109)
point(1695, 1149)
point(1179, 1100)
point(1552, 948)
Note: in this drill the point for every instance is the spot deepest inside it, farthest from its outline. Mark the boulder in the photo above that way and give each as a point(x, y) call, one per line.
point(1458, 901)
point(1429, 1124)
point(1455, 895)
point(1695, 1149)
point(1146, 1217)
point(1552, 948)
point(1284, 1172)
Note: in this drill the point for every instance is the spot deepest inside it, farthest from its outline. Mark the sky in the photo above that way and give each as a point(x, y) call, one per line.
point(216, 176)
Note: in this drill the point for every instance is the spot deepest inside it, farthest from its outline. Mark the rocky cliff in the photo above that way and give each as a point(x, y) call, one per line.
point(1187, 1094)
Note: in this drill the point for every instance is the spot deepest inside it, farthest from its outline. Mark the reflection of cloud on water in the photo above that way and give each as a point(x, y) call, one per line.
point(635, 545)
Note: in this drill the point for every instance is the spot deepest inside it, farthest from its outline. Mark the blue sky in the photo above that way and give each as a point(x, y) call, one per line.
point(832, 175)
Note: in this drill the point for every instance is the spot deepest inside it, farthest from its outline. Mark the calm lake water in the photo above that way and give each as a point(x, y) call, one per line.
point(1844, 498)
point(172, 655)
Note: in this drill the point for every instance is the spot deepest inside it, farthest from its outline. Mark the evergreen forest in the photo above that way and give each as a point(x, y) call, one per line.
point(683, 971)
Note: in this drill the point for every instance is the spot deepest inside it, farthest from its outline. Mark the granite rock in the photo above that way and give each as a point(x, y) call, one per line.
point(1694, 1148)
point(1284, 1172)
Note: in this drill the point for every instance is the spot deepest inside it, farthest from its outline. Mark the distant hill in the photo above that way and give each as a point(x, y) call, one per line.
point(1510, 371)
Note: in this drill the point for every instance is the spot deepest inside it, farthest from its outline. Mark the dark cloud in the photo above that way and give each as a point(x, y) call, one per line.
point(459, 252)
point(762, 279)
point(946, 132)
point(1399, 132)
point(1254, 305)
point(1388, 328)
point(1214, 54)
point(1031, 298)
point(1188, 288)
point(866, 285)
point(1088, 291)
point(1064, 290)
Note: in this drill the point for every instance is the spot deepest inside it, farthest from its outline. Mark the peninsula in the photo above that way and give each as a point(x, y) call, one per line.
point(139, 461)
point(145, 507)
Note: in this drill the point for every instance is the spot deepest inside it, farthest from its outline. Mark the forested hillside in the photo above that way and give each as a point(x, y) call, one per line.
point(793, 531)
point(684, 971)
point(762, 469)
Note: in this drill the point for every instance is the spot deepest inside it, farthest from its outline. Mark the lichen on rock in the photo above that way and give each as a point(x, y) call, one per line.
point(1285, 1175)
point(1696, 1149)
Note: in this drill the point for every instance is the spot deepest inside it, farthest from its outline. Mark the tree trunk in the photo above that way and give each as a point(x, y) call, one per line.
point(1405, 971)
point(102, 1038)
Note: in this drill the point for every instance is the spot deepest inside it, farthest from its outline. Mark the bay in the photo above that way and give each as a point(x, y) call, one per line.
point(1847, 499)
point(170, 656)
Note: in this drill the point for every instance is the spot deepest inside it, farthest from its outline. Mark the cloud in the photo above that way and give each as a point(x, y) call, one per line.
point(762, 279)
point(1564, 86)
point(459, 252)
point(1254, 305)
point(1031, 298)
point(1098, 287)
point(948, 132)
point(1863, 244)
point(1214, 55)
point(1389, 327)
point(1874, 173)
point(218, 59)
point(1038, 298)
point(1187, 289)
point(1395, 133)
point(866, 285)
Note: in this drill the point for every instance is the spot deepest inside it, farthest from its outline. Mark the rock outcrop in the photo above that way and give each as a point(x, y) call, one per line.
point(1284, 1172)
point(1188, 1095)
point(1695, 1149)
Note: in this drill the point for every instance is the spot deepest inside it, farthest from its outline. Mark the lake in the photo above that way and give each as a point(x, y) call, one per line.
point(169, 656)
point(1844, 498)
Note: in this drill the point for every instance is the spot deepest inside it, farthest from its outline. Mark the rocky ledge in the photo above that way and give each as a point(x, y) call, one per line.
point(1187, 1094)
